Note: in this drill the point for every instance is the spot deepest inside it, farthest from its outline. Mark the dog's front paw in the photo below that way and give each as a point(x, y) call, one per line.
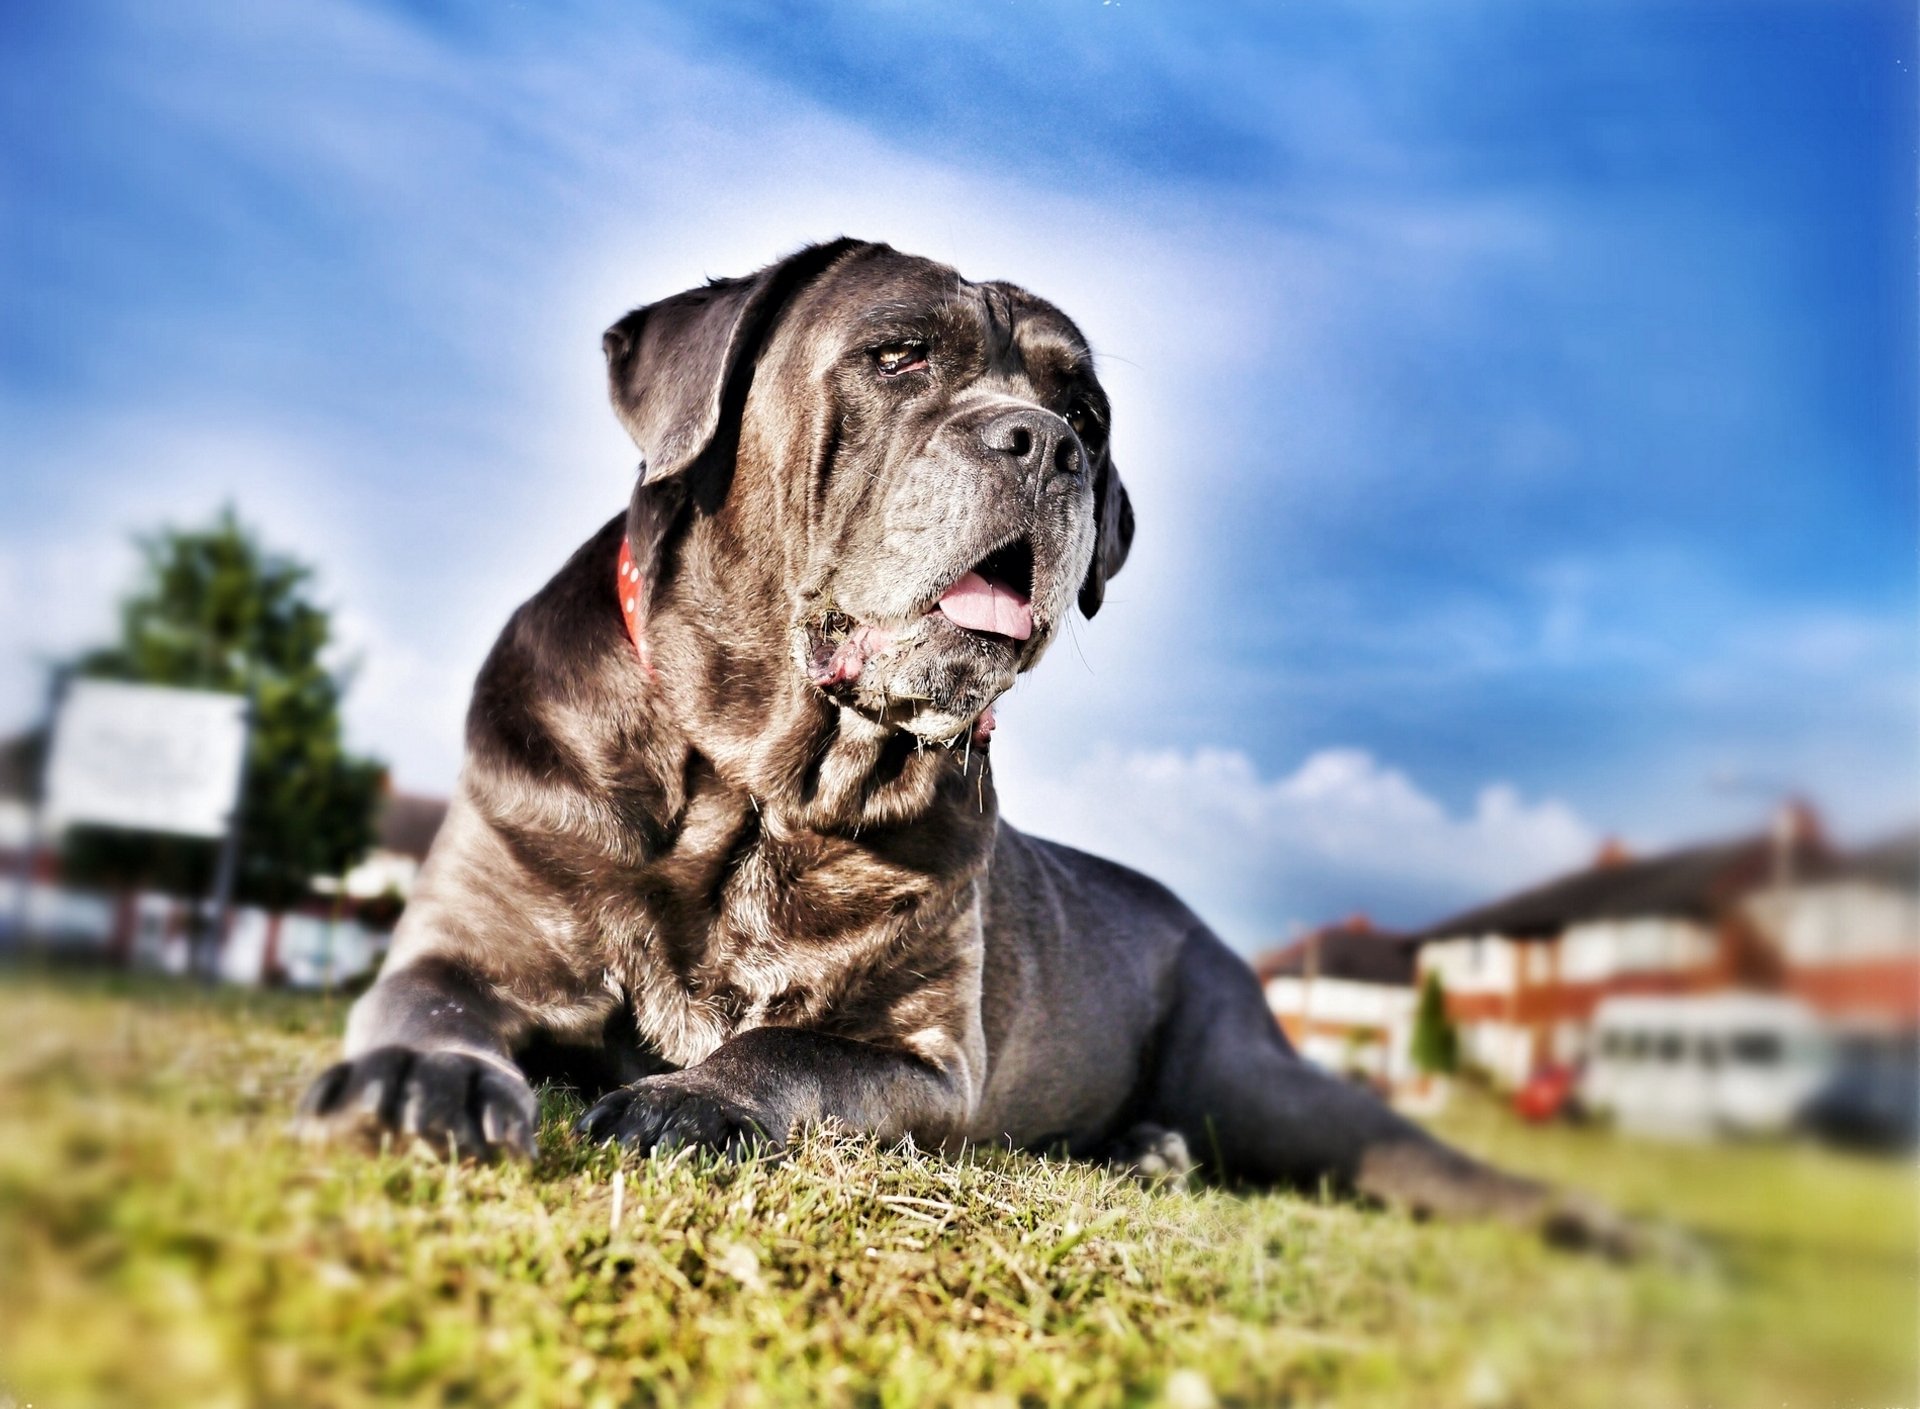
point(660, 1114)
point(457, 1104)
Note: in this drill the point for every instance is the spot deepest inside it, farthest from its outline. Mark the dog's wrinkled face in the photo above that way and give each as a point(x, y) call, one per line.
point(955, 517)
point(938, 451)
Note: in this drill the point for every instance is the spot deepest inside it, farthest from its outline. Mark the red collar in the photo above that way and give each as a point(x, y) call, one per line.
point(632, 591)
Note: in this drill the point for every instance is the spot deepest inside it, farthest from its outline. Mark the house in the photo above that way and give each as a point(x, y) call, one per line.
point(406, 827)
point(1344, 996)
point(1781, 912)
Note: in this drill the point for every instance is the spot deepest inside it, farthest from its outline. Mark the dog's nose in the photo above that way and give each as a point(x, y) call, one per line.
point(1039, 442)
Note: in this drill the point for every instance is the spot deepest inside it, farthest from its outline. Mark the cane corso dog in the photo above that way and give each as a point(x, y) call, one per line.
point(727, 825)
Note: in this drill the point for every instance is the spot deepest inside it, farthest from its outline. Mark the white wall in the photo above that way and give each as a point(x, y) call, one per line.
point(1502, 1049)
point(383, 873)
point(58, 915)
point(1383, 1008)
point(1838, 922)
point(1343, 1001)
point(313, 949)
point(1486, 964)
point(1599, 949)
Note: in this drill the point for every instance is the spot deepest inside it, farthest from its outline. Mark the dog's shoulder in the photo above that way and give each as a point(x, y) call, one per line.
point(1032, 879)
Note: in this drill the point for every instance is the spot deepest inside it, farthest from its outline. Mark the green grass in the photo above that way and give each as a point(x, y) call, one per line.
point(163, 1242)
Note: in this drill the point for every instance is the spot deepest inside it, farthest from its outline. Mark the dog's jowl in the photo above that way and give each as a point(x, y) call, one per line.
point(726, 840)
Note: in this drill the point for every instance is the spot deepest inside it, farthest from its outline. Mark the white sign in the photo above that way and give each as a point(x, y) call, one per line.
point(146, 756)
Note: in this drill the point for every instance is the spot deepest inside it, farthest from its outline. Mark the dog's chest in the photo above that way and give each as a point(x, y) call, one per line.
point(747, 921)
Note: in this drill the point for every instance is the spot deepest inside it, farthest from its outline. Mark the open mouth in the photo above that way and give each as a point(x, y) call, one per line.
point(991, 599)
point(994, 596)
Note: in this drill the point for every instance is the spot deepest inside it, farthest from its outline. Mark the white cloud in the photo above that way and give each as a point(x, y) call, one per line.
point(1255, 855)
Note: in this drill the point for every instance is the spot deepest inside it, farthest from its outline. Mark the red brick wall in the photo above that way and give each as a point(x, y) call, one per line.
point(1887, 989)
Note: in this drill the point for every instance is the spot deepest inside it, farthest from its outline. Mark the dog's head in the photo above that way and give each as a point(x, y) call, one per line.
point(906, 477)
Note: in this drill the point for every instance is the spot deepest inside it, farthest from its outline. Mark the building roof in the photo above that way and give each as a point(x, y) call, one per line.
point(1353, 950)
point(1695, 882)
point(1894, 861)
point(408, 823)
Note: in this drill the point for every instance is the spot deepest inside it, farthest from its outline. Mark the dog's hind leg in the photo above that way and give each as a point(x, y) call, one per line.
point(1253, 1110)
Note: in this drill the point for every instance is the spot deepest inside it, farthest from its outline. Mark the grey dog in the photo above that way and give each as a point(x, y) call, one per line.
point(726, 835)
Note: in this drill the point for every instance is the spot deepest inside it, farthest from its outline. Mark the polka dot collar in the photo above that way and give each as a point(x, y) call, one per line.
point(633, 604)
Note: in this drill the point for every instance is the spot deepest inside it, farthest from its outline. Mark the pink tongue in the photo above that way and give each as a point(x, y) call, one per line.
point(980, 605)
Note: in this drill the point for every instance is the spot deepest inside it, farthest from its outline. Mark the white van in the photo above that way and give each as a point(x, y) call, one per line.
point(1694, 1066)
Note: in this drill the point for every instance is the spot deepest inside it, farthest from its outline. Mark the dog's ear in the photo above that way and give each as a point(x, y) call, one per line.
point(1112, 532)
point(678, 370)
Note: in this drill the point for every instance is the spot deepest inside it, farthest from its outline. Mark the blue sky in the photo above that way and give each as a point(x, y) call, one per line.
point(1518, 396)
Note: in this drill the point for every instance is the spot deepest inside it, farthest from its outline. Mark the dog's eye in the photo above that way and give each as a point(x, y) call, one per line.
point(1080, 416)
point(898, 357)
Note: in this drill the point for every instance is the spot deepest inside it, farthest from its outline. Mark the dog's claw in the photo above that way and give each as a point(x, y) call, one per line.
point(454, 1103)
point(660, 1114)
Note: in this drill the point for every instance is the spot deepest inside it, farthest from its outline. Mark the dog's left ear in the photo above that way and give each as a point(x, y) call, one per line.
point(678, 370)
point(1113, 532)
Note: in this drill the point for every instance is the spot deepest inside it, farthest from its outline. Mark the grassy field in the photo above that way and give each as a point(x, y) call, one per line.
point(163, 1242)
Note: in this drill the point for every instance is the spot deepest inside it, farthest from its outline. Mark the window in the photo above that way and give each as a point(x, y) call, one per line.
point(1759, 1049)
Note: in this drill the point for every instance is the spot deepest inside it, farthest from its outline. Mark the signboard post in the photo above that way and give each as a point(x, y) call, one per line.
point(152, 758)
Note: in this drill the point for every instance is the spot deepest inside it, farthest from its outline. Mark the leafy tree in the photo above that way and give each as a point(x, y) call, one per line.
point(215, 610)
point(1435, 1043)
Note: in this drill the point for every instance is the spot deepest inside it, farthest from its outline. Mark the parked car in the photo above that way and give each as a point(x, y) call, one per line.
point(1550, 1093)
point(1872, 1100)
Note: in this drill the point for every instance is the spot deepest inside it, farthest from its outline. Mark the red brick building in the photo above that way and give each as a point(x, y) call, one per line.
point(1344, 996)
point(1782, 913)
